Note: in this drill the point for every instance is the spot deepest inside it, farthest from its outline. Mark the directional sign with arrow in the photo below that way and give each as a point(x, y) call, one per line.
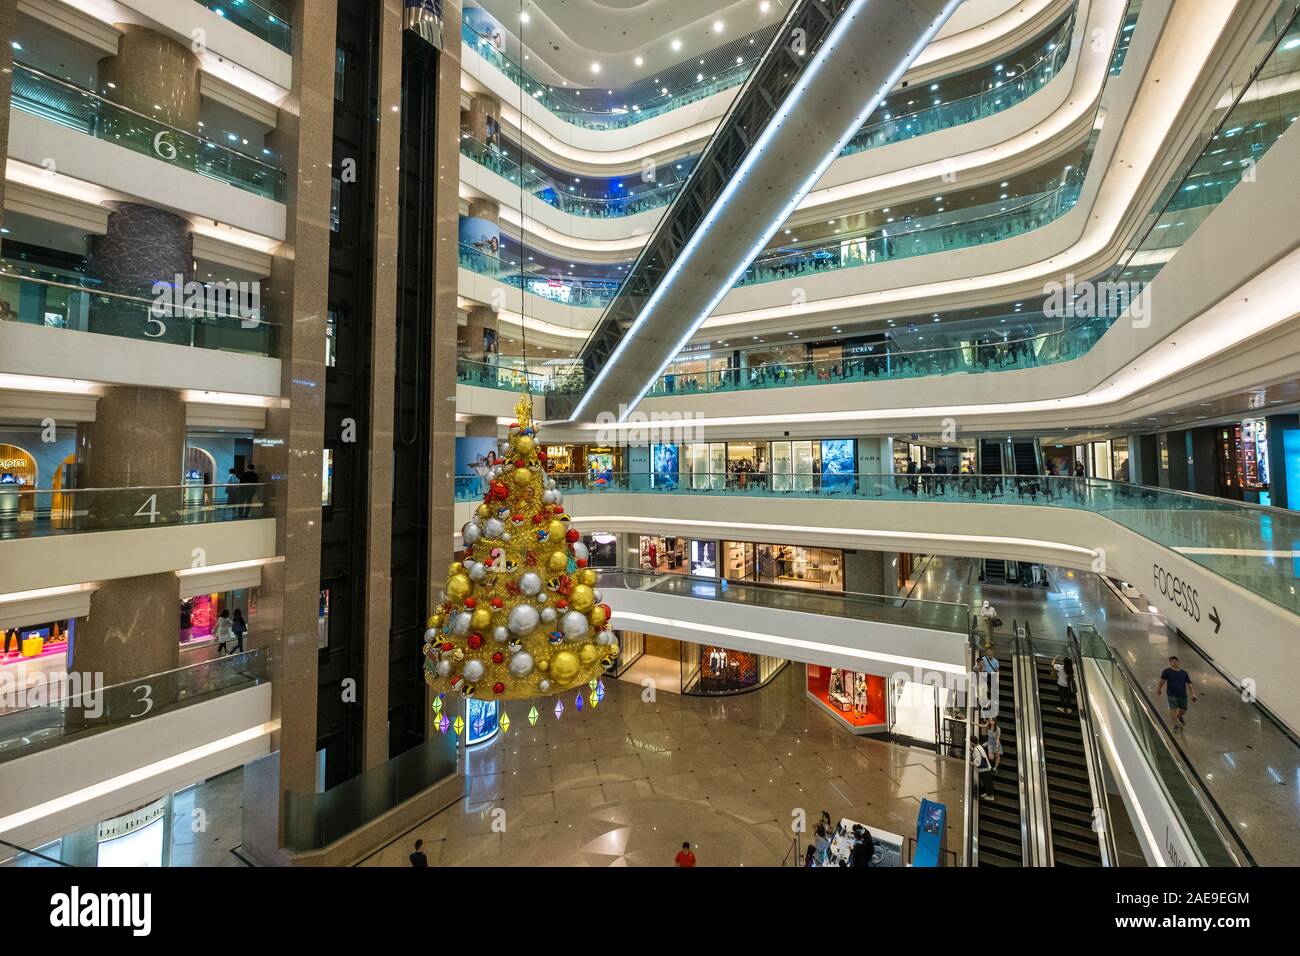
point(1214, 616)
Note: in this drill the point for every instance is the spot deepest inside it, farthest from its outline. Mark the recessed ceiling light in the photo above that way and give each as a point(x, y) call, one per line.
point(595, 68)
point(524, 17)
point(639, 61)
point(717, 26)
point(764, 7)
point(677, 44)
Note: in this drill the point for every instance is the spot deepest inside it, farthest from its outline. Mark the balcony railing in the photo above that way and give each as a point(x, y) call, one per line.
point(86, 710)
point(1250, 545)
point(59, 102)
point(58, 304)
point(31, 513)
point(263, 20)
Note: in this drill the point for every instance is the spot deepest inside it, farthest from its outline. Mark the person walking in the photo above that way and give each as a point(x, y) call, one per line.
point(239, 627)
point(1176, 685)
point(224, 633)
point(979, 759)
point(993, 743)
point(234, 494)
point(417, 857)
point(1064, 685)
point(684, 858)
point(252, 480)
point(989, 618)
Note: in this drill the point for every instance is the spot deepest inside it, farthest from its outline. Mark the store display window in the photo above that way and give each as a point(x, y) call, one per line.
point(664, 553)
point(199, 613)
point(704, 558)
point(664, 467)
point(602, 550)
point(795, 566)
point(855, 698)
point(32, 641)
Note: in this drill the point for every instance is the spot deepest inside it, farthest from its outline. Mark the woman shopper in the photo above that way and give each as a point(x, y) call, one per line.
point(225, 632)
point(240, 627)
point(979, 759)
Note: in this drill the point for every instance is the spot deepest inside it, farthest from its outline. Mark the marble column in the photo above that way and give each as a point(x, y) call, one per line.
point(481, 334)
point(483, 118)
point(153, 75)
point(137, 440)
point(289, 599)
point(870, 572)
point(442, 393)
point(485, 209)
point(8, 26)
point(143, 245)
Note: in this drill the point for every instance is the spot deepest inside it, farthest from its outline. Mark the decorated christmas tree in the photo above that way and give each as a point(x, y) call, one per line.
point(520, 616)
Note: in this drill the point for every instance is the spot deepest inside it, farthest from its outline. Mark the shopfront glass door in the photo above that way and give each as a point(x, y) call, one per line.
point(802, 454)
point(782, 466)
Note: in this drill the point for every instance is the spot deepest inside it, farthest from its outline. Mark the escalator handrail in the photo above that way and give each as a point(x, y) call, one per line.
point(971, 811)
point(665, 222)
point(1036, 802)
point(1092, 754)
point(1223, 828)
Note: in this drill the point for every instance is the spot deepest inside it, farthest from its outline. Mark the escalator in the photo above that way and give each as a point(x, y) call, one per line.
point(1069, 790)
point(990, 456)
point(1000, 831)
point(825, 71)
point(1026, 458)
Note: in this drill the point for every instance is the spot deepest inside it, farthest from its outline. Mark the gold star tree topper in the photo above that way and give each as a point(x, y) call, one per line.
point(520, 616)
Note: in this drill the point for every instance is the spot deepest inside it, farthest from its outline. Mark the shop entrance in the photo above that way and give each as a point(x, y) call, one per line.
point(685, 667)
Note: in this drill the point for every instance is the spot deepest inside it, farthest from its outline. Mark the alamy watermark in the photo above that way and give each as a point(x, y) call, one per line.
point(1096, 300)
point(54, 689)
point(638, 427)
point(193, 299)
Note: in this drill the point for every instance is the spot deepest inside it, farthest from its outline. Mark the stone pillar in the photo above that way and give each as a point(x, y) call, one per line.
point(481, 334)
point(483, 118)
point(136, 440)
point(143, 245)
point(153, 75)
point(485, 209)
point(8, 25)
point(481, 426)
point(870, 572)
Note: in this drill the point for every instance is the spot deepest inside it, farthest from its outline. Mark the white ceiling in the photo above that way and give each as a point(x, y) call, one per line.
point(569, 35)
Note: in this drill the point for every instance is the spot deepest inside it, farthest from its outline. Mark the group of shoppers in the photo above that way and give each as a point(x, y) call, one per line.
point(230, 631)
point(241, 491)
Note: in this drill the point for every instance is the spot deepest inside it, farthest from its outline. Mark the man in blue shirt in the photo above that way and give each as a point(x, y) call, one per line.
point(1176, 684)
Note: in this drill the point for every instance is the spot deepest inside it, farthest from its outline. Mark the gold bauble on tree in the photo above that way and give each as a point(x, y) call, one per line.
point(512, 622)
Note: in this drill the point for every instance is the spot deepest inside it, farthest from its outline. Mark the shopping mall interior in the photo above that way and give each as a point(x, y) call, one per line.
point(730, 433)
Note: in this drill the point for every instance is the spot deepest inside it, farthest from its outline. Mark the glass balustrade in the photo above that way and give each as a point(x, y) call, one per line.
point(892, 609)
point(52, 99)
point(580, 292)
point(1250, 545)
point(263, 20)
point(982, 352)
point(60, 304)
point(563, 197)
point(71, 706)
point(958, 229)
point(568, 106)
point(29, 513)
point(1210, 834)
point(1009, 87)
point(1013, 86)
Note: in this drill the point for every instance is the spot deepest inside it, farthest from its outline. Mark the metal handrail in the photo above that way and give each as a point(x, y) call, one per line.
point(1092, 755)
point(969, 810)
point(187, 311)
point(35, 853)
point(1039, 848)
point(1227, 834)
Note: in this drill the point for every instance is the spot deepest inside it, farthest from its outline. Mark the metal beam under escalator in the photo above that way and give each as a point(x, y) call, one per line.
point(827, 69)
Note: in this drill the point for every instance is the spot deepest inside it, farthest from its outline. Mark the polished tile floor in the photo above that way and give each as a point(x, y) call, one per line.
point(625, 784)
point(1250, 767)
